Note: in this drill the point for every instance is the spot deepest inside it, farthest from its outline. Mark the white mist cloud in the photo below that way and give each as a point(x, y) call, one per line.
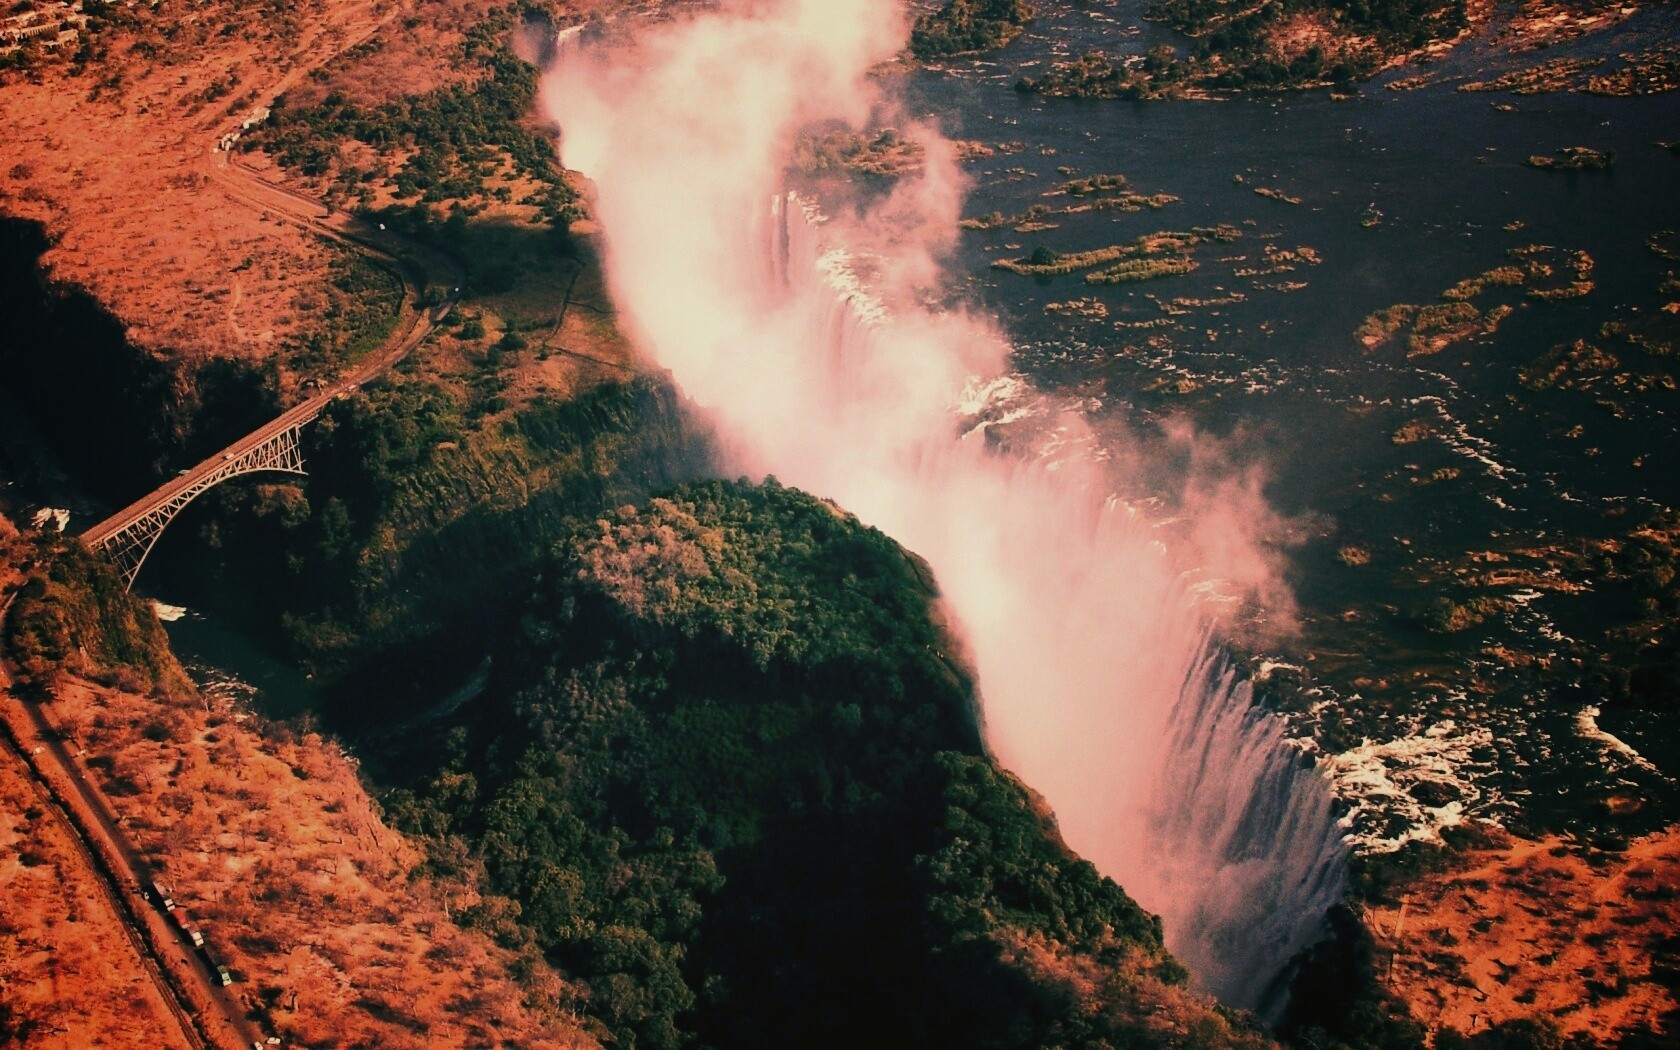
point(1081, 617)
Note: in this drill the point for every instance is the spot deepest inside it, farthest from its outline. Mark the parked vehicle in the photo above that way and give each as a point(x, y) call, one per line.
point(183, 922)
point(216, 969)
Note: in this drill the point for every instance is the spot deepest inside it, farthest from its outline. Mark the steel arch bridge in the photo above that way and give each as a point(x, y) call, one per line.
point(129, 535)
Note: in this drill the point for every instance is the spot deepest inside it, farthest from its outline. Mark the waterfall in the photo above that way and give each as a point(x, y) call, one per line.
point(809, 344)
point(1251, 832)
point(1102, 686)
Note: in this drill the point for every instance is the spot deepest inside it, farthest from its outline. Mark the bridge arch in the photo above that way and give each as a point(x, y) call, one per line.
point(129, 535)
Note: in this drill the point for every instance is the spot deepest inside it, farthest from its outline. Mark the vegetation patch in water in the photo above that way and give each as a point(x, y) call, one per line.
point(846, 153)
point(1445, 616)
point(1094, 184)
point(1556, 75)
point(1141, 270)
point(1653, 71)
point(1383, 325)
point(1085, 307)
point(1096, 193)
point(1436, 326)
point(1048, 262)
point(1470, 287)
point(1276, 194)
point(1573, 158)
point(1568, 366)
point(1413, 432)
point(965, 26)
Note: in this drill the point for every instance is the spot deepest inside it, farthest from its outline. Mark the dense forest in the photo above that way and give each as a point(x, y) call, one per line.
point(728, 774)
point(422, 514)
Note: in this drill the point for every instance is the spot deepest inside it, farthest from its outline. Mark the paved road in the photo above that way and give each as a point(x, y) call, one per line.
point(419, 266)
point(210, 1015)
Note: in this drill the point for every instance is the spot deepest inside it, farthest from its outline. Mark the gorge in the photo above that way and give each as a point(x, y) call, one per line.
point(1077, 524)
point(808, 342)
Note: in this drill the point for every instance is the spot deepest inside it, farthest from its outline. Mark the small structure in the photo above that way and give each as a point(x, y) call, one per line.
point(55, 518)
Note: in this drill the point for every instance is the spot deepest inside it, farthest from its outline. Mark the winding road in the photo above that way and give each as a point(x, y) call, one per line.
point(418, 266)
point(209, 1015)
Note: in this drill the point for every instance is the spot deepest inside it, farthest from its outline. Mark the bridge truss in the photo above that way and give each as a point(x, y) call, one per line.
point(128, 536)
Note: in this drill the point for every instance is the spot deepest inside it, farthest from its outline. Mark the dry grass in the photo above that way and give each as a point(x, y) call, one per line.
point(268, 839)
point(1538, 929)
point(116, 161)
point(68, 972)
point(112, 161)
point(1123, 988)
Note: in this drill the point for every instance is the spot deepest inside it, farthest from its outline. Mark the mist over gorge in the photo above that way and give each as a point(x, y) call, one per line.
point(690, 524)
point(805, 338)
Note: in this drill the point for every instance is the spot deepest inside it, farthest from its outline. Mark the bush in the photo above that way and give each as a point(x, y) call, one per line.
point(963, 26)
point(73, 616)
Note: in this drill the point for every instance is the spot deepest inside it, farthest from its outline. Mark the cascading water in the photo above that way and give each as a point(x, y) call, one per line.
point(1248, 829)
point(1236, 842)
point(1100, 688)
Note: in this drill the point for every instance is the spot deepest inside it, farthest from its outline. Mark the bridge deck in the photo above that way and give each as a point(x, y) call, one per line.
point(297, 416)
point(129, 534)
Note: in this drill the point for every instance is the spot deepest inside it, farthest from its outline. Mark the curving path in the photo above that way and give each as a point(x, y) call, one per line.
point(208, 1014)
point(129, 533)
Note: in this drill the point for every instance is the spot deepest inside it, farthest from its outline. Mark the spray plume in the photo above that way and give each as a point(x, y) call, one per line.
point(806, 341)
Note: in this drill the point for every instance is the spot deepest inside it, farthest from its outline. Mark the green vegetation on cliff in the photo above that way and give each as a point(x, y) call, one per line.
point(71, 615)
point(360, 309)
point(423, 516)
point(727, 775)
point(962, 26)
point(464, 145)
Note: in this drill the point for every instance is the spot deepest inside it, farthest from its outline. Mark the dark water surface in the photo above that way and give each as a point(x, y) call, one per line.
point(1401, 195)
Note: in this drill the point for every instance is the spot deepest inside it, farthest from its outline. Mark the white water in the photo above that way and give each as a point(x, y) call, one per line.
point(1249, 830)
point(1087, 629)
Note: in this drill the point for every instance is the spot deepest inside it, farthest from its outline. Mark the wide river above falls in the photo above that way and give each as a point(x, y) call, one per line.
point(1415, 459)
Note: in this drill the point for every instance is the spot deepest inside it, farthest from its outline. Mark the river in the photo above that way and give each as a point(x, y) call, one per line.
point(1396, 196)
point(1399, 195)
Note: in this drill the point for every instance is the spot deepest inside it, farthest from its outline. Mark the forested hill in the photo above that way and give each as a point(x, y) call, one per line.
point(728, 776)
